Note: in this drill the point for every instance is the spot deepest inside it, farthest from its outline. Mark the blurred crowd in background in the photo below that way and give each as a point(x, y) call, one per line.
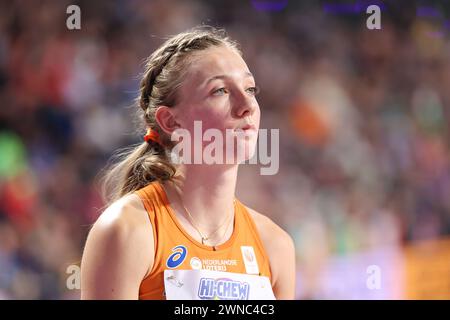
point(364, 119)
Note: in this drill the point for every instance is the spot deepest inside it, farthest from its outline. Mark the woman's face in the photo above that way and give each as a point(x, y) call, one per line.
point(219, 91)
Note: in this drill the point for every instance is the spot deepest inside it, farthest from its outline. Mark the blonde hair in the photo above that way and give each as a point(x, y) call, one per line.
point(165, 69)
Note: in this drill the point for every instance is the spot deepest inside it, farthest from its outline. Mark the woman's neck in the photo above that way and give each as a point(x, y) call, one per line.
point(208, 193)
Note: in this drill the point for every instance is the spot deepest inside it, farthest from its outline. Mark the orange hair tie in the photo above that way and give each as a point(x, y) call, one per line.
point(151, 135)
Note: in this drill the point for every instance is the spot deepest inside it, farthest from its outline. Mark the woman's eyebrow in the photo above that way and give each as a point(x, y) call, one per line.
point(224, 76)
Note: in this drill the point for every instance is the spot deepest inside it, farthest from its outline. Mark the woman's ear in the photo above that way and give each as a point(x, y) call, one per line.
point(166, 119)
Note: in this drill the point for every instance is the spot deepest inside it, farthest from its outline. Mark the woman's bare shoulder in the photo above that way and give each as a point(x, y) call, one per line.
point(268, 229)
point(126, 222)
point(127, 211)
point(280, 250)
point(118, 251)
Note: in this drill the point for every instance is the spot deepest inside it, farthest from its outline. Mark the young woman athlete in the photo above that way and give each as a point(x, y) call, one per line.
point(175, 230)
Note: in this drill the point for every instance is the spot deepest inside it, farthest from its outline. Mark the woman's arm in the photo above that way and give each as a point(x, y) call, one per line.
point(119, 252)
point(281, 252)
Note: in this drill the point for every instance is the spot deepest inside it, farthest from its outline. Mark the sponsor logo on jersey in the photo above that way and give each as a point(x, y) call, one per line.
point(177, 257)
point(196, 263)
point(250, 262)
point(223, 289)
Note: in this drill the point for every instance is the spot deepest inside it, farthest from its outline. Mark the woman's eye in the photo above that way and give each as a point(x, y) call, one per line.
point(253, 90)
point(219, 91)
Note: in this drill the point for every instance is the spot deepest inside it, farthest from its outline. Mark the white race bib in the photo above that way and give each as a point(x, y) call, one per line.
point(215, 285)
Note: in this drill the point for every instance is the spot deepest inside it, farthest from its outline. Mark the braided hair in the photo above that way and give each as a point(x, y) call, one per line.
point(165, 70)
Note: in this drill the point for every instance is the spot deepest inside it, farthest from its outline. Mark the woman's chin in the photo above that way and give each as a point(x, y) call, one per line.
point(244, 151)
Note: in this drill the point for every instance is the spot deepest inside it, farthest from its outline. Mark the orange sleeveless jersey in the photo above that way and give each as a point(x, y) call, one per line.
point(169, 234)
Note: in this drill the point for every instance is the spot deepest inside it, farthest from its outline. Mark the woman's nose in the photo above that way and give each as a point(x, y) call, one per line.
point(244, 105)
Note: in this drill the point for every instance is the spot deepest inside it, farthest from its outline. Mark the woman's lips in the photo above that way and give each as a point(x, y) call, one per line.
point(247, 127)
